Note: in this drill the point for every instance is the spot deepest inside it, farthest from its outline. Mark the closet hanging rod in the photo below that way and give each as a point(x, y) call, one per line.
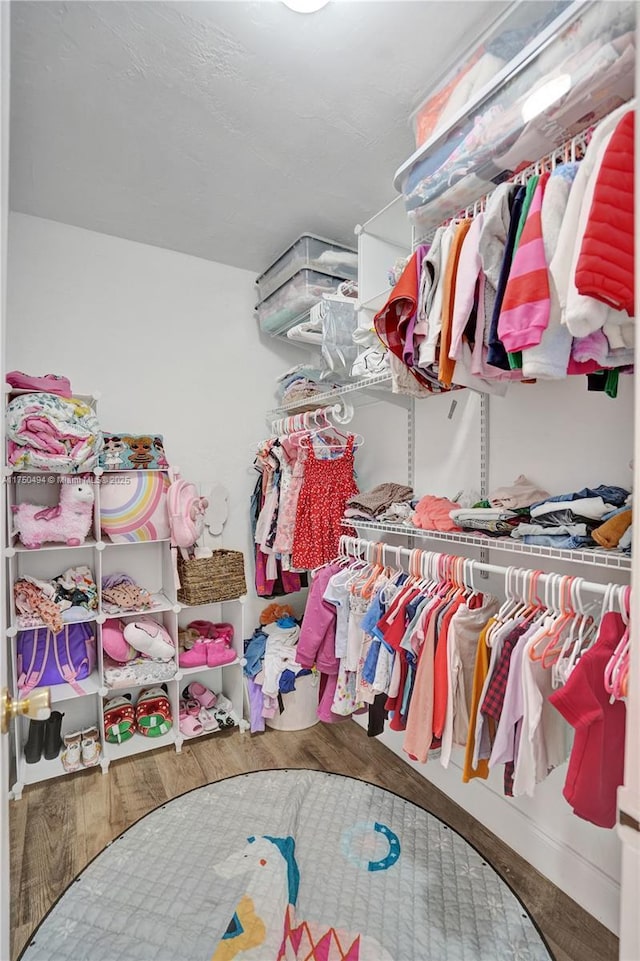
point(341, 413)
point(350, 544)
point(566, 152)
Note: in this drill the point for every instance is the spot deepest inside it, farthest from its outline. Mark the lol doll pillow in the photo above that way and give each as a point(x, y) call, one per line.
point(133, 506)
point(129, 452)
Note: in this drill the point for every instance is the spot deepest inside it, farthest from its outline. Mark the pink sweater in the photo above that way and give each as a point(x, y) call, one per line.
point(527, 305)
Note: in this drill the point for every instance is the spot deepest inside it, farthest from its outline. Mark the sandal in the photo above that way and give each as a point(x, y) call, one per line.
point(72, 756)
point(198, 692)
point(224, 719)
point(119, 719)
point(190, 726)
point(153, 712)
point(90, 746)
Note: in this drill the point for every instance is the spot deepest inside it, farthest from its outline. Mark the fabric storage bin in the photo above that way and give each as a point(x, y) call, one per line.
point(311, 252)
point(300, 706)
point(290, 302)
point(578, 69)
point(210, 580)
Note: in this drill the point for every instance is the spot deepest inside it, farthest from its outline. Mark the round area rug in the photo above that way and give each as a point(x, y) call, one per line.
point(288, 865)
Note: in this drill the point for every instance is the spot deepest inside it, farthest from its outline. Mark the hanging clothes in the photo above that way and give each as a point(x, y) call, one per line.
point(327, 485)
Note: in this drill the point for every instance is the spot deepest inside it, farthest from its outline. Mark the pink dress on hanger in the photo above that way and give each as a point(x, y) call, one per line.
point(326, 487)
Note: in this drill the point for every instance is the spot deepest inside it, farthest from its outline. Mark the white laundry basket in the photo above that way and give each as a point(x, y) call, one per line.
point(300, 706)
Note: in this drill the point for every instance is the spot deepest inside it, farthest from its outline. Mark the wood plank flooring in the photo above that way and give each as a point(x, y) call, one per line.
point(59, 826)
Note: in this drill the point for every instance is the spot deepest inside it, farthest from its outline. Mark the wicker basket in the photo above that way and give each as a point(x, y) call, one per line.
point(209, 580)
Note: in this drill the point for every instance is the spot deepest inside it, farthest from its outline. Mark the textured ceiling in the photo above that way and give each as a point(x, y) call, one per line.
point(221, 129)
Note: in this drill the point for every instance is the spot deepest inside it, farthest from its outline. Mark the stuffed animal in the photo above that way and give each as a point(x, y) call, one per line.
point(69, 522)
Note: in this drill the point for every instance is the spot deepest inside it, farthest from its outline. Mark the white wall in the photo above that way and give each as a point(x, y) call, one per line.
point(168, 340)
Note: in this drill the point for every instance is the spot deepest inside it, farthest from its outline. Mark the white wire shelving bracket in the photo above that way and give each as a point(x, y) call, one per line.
point(595, 557)
point(328, 397)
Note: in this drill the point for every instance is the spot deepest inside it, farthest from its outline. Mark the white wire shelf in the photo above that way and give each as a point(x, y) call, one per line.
point(593, 556)
point(382, 381)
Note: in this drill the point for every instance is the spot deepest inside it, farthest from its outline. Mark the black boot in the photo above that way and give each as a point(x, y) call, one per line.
point(35, 741)
point(52, 739)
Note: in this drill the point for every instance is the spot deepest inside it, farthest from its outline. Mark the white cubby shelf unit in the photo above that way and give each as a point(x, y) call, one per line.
point(149, 563)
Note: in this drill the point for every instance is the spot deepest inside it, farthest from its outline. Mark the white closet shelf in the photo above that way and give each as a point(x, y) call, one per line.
point(44, 770)
point(138, 744)
point(232, 600)
point(160, 603)
point(382, 381)
point(91, 617)
point(19, 548)
point(64, 692)
point(375, 303)
point(100, 545)
point(187, 671)
point(596, 557)
point(195, 737)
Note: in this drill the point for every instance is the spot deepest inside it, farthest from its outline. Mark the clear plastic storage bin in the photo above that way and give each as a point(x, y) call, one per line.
point(311, 252)
point(577, 69)
point(290, 302)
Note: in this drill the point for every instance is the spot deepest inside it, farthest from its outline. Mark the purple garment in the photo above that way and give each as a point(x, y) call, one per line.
point(317, 642)
point(113, 580)
point(256, 701)
point(408, 352)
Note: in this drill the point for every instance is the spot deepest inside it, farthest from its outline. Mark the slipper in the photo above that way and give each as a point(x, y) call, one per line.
point(224, 719)
point(119, 720)
point(191, 706)
point(224, 704)
point(219, 653)
point(153, 712)
point(202, 694)
point(211, 631)
point(208, 720)
point(189, 726)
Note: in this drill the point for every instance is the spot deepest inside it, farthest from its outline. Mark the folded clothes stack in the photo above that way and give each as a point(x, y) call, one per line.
point(302, 381)
point(379, 504)
point(591, 517)
point(120, 593)
point(579, 519)
point(72, 596)
point(494, 521)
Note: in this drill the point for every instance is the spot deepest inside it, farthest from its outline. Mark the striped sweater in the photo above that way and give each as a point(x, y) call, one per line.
point(526, 306)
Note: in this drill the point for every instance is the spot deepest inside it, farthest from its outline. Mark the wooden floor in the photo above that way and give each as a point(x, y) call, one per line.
point(59, 826)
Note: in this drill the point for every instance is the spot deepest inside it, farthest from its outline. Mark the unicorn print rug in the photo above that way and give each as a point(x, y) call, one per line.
point(288, 866)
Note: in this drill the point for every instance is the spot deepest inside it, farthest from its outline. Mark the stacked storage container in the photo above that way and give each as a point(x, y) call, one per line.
point(298, 279)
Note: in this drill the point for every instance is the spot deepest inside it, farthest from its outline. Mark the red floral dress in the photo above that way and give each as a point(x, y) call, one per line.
point(326, 487)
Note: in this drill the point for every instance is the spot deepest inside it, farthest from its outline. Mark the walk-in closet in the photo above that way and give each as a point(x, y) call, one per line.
point(320, 449)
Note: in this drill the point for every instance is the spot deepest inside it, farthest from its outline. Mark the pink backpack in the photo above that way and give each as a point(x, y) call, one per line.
point(186, 512)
